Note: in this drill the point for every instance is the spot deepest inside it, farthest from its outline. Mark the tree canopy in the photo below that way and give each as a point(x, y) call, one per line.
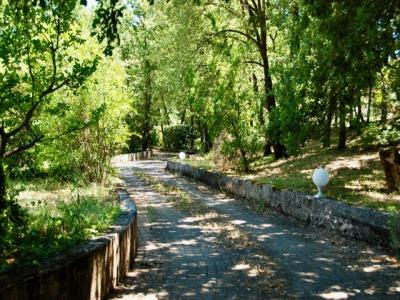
point(242, 78)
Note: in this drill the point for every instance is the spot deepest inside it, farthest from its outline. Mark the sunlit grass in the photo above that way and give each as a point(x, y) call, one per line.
point(59, 216)
point(357, 176)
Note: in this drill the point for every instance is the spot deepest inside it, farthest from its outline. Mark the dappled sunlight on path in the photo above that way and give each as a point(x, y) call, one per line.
point(180, 258)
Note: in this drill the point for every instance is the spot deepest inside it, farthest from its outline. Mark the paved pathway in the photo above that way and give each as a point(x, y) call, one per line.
point(178, 259)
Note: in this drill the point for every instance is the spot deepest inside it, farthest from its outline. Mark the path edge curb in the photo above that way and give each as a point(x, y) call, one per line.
point(132, 156)
point(355, 222)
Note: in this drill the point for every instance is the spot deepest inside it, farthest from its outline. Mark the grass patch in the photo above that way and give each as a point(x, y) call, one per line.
point(356, 176)
point(58, 218)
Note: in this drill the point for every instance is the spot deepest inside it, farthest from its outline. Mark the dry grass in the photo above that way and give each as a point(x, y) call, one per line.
point(256, 264)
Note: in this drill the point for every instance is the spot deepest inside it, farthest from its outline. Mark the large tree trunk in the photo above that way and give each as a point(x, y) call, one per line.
point(270, 105)
point(342, 125)
point(259, 22)
point(145, 139)
point(390, 160)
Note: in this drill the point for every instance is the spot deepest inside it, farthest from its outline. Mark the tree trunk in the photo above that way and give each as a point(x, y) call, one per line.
point(360, 118)
point(342, 125)
point(183, 115)
point(146, 128)
point(207, 140)
point(245, 162)
point(145, 140)
point(259, 22)
point(260, 105)
point(328, 129)
point(384, 104)
point(267, 146)
point(270, 105)
point(351, 116)
point(390, 160)
point(369, 102)
point(2, 186)
point(192, 125)
point(162, 133)
point(279, 151)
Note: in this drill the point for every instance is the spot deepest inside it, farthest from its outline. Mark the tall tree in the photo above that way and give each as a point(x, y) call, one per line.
point(36, 58)
point(256, 30)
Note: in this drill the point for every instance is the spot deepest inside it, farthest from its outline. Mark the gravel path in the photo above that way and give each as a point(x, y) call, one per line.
point(180, 259)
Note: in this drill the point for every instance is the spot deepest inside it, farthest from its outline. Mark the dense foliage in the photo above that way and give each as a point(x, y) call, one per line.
point(240, 78)
point(61, 218)
point(178, 137)
point(280, 73)
point(63, 105)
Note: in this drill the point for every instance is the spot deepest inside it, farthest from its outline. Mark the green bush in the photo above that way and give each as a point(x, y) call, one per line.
point(382, 135)
point(135, 143)
point(12, 222)
point(155, 137)
point(53, 226)
point(178, 137)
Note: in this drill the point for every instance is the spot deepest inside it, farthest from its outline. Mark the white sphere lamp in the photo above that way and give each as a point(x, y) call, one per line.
point(320, 178)
point(182, 155)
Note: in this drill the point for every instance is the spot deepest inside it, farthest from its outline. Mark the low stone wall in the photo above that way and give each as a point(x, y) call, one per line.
point(356, 222)
point(133, 156)
point(88, 271)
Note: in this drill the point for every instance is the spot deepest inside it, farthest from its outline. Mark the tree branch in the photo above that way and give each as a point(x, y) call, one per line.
point(254, 62)
point(71, 130)
point(24, 123)
point(22, 147)
point(52, 89)
point(249, 37)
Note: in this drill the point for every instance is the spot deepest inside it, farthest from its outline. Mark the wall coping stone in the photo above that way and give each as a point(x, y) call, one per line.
point(351, 221)
point(132, 156)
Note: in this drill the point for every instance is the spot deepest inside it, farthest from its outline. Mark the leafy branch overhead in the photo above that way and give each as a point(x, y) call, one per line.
point(36, 62)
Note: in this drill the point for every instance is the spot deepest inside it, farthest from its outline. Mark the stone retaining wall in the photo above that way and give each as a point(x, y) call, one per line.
point(356, 222)
point(88, 271)
point(132, 156)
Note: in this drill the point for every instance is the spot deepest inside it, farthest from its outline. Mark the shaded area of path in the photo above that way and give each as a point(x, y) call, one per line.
point(314, 264)
point(177, 258)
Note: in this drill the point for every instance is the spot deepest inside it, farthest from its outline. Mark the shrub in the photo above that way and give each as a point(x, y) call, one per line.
point(178, 137)
point(53, 224)
point(382, 135)
point(135, 143)
point(155, 137)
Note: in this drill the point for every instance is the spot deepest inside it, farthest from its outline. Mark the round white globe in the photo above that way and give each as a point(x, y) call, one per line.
point(182, 155)
point(320, 177)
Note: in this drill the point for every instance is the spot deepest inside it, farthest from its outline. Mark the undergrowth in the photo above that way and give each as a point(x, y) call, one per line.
point(56, 221)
